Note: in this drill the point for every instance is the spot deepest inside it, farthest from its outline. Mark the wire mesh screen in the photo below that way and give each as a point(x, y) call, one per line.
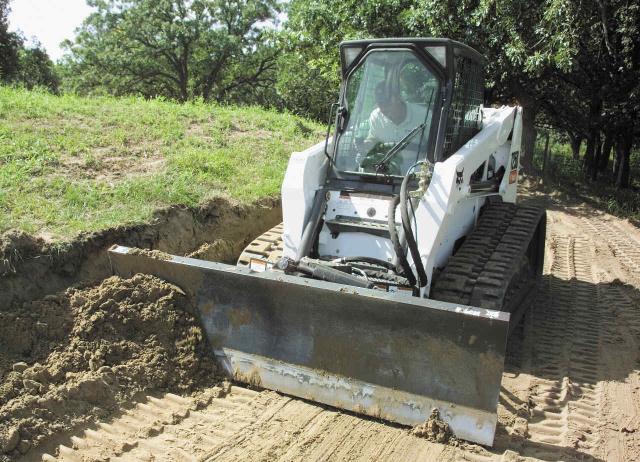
point(465, 118)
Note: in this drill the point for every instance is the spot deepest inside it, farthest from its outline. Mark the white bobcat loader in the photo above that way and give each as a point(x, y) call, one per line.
point(402, 263)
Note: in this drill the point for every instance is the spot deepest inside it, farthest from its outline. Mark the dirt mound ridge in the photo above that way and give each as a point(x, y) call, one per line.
point(92, 349)
point(16, 245)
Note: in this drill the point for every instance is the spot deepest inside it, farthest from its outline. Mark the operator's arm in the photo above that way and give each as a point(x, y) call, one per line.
point(373, 136)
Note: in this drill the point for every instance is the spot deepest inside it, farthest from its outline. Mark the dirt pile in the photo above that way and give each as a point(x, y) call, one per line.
point(435, 429)
point(80, 354)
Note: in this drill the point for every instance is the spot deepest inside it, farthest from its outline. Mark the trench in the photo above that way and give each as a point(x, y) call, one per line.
point(217, 230)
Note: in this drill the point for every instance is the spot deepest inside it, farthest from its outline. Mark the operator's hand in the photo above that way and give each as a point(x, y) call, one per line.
point(368, 144)
point(375, 154)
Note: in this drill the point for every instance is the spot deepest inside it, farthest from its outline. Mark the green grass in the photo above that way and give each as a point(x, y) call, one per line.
point(566, 173)
point(70, 164)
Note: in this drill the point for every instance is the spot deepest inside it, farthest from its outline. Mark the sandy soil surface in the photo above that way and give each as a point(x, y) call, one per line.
point(570, 391)
point(92, 351)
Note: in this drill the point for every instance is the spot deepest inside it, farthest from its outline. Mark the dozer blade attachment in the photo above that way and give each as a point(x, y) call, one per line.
point(395, 357)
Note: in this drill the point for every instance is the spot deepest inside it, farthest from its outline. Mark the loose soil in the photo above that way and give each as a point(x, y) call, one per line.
point(435, 429)
point(570, 390)
point(91, 350)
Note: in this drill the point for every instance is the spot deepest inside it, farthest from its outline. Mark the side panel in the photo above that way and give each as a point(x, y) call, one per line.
point(510, 182)
point(448, 211)
point(391, 356)
point(305, 174)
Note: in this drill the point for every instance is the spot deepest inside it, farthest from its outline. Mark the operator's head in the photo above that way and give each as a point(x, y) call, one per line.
point(387, 99)
point(383, 95)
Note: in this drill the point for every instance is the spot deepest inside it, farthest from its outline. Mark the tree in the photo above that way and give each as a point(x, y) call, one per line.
point(523, 59)
point(506, 32)
point(599, 96)
point(36, 68)
point(179, 49)
point(309, 67)
point(10, 44)
point(619, 22)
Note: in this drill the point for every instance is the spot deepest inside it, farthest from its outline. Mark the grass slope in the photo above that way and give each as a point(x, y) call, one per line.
point(70, 164)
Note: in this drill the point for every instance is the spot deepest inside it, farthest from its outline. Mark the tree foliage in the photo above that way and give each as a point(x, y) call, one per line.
point(573, 66)
point(36, 69)
point(10, 44)
point(181, 49)
point(23, 64)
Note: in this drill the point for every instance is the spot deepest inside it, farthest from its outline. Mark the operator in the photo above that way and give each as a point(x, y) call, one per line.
point(391, 121)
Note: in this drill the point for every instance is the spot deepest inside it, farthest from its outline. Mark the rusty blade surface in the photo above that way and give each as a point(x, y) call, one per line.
point(391, 356)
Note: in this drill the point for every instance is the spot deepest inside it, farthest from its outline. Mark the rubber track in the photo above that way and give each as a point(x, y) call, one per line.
point(481, 272)
point(267, 246)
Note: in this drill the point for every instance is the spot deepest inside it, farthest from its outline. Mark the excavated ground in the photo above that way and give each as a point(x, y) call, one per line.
point(31, 268)
point(95, 349)
point(570, 390)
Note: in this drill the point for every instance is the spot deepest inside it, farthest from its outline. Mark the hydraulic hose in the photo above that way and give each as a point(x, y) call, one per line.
point(406, 226)
point(393, 233)
point(323, 272)
point(372, 260)
point(311, 229)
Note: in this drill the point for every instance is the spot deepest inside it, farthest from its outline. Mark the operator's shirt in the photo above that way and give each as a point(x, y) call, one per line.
point(383, 129)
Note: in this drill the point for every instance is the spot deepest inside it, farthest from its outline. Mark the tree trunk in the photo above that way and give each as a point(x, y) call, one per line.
point(606, 151)
point(576, 142)
point(589, 153)
point(528, 137)
point(623, 152)
point(617, 157)
point(596, 157)
point(184, 89)
point(593, 135)
point(545, 156)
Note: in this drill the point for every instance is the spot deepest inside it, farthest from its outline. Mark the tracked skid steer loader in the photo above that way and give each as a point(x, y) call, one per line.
point(402, 263)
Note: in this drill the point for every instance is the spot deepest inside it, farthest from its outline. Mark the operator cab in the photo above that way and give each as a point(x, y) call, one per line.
point(404, 105)
point(403, 101)
point(389, 99)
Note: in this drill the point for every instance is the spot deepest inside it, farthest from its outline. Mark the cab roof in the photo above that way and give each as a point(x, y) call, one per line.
point(428, 45)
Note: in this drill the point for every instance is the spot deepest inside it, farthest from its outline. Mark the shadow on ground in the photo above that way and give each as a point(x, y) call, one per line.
point(576, 334)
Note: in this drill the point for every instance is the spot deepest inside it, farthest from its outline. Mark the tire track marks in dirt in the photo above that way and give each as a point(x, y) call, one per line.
point(565, 353)
point(169, 428)
point(305, 431)
point(620, 424)
point(582, 346)
point(244, 425)
point(623, 246)
point(618, 248)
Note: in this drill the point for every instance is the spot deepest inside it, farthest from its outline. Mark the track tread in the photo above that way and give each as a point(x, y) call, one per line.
point(482, 272)
point(267, 247)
